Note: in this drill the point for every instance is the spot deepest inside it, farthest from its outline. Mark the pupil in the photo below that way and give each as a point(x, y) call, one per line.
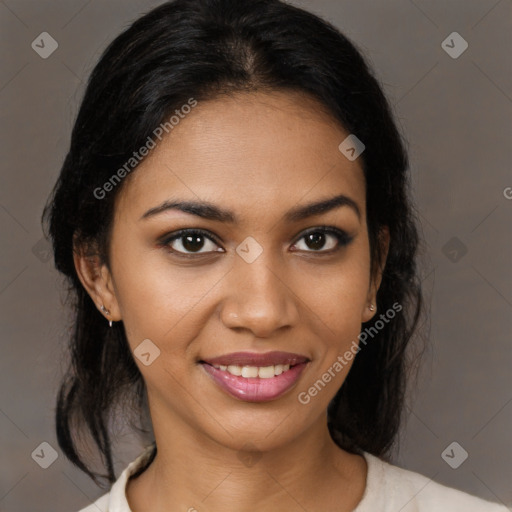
point(193, 242)
point(315, 240)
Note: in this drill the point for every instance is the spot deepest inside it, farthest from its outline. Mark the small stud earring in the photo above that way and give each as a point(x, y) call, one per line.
point(107, 312)
point(372, 307)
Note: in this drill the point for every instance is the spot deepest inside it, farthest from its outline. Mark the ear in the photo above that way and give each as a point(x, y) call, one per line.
point(376, 275)
point(97, 280)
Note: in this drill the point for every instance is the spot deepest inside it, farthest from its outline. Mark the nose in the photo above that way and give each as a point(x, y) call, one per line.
point(259, 298)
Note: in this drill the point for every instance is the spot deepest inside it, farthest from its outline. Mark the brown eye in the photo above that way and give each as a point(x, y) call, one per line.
point(324, 239)
point(191, 242)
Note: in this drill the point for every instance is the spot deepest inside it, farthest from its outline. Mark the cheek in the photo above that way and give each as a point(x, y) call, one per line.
point(160, 300)
point(339, 309)
point(337, 294)
point(338, 302)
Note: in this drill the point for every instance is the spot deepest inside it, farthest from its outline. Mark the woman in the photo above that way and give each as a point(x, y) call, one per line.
point(233, 217)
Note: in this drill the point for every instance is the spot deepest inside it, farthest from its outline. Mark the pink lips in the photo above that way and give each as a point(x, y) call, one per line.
point(256, 389)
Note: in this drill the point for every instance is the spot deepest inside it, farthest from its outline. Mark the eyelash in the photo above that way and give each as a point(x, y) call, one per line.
point(341, 236)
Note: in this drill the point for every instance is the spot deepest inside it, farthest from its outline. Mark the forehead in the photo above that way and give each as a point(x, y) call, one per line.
point(251, 148)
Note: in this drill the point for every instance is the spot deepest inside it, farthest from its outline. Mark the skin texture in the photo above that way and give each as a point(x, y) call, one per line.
point(258, 155)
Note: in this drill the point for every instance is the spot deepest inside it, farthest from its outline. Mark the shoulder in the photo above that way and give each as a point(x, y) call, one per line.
point(100, 505)
point(115, 500)
point(392, 488)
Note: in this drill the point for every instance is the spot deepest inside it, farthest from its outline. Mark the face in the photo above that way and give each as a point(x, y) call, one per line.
point(263, 281)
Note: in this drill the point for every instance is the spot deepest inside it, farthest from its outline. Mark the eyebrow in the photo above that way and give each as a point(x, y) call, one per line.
point(211, 211)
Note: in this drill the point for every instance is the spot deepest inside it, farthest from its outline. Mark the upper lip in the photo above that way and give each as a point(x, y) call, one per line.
point(257, 359)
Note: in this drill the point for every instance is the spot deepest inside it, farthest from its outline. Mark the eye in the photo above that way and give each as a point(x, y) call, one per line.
point(190, 242)
point(323, 239)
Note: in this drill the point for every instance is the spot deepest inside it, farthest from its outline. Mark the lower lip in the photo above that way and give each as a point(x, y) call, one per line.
point(255, 389)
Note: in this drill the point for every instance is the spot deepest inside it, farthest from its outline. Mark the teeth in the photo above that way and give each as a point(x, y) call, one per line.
point(266, 372)
point(249, 371)
point(235, 370)
point(263, 372)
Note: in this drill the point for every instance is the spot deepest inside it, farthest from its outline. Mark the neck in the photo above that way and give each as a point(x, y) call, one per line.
point(193, 472)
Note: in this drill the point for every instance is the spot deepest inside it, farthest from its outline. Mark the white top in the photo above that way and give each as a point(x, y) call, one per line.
point(388, 489)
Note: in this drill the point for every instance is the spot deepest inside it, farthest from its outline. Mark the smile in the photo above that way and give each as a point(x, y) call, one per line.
point(252, 377)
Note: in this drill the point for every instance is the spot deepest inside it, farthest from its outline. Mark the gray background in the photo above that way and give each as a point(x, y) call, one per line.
point(456, 114)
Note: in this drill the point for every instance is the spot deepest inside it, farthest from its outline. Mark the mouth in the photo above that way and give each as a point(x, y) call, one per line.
point(253, 377)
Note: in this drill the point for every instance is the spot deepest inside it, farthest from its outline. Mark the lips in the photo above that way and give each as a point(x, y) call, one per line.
point(253, 377)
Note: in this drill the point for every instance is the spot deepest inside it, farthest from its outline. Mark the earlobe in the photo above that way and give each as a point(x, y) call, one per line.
point(97, 281)
point(368, 312)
